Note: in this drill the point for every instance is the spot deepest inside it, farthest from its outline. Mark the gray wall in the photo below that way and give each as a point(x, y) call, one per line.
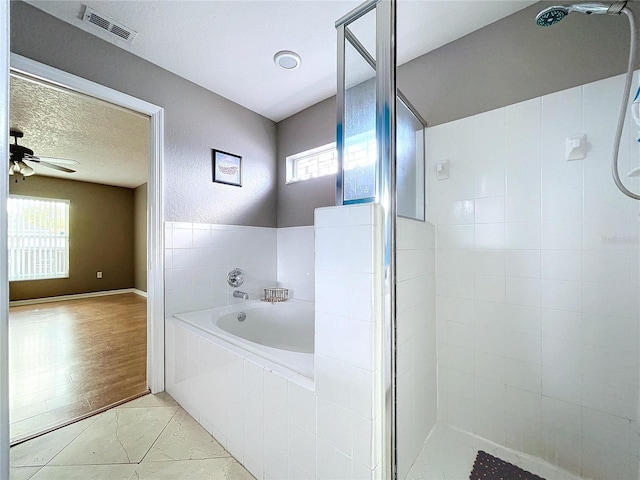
point(140, 238)
point(513, 60)
point(308, 129)
point(509, 61)
point(196, 121)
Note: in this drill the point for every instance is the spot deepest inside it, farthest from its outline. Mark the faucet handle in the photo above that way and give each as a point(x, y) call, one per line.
point(235, 278)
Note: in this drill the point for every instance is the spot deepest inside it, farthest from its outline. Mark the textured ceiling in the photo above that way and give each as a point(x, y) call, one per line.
point(109, 142)
point(227, 47)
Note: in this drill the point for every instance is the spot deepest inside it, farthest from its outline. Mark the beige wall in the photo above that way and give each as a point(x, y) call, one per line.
point(101, 237)
point(140, 238)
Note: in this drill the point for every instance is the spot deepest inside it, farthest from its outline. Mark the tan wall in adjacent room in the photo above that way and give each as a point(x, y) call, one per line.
point(101, 237)
point(140, 238)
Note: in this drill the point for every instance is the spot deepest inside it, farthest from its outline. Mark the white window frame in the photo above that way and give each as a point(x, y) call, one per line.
point(292, 175)
point(33, 272)
point(292, 162)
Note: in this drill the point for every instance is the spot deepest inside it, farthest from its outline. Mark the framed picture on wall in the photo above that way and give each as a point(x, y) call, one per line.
point(227, 168)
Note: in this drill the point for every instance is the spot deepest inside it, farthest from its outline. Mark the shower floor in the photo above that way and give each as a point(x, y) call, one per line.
point(449, 453)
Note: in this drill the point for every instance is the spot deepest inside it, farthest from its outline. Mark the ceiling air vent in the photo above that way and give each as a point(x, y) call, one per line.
point(108, 24)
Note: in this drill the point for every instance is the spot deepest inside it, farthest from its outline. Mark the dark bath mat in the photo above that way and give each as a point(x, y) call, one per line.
point(488, 467)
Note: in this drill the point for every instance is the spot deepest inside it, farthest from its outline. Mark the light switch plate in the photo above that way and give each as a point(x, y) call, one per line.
point(442, 170)
point(576, 147)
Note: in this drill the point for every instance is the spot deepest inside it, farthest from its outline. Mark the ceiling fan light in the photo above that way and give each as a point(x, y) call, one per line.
point(11, 168)
point(25, 169)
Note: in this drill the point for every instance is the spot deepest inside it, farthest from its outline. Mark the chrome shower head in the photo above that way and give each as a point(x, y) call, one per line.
point(552, 15)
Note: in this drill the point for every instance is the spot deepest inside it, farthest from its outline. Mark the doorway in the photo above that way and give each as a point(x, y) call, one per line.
point(154, 238)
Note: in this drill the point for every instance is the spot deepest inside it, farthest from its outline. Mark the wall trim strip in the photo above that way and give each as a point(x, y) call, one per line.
point(76, 296)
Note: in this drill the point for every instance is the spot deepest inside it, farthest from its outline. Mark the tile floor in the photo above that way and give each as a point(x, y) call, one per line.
point(148, 438)
point(449, 453)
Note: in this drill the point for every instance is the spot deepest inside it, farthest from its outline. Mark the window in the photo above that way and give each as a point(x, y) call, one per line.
point(317, 162)
point(38, 238)
point(321, 161)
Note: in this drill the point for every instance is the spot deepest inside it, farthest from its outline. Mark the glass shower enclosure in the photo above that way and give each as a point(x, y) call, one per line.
point(512, 303)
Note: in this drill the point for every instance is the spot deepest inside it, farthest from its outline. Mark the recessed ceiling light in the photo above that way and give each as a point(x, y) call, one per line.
point(287, 60)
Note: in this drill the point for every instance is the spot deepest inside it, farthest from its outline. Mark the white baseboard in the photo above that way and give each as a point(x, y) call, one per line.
point(62, 298)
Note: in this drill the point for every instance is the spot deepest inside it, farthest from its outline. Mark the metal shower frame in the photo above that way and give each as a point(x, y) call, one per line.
point(385, 188)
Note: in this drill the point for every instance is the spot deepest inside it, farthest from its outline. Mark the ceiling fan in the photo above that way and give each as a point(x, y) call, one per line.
point(18, 154)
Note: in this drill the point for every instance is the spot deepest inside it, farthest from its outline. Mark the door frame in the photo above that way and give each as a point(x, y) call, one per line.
point(4, 276)
point(155, 227)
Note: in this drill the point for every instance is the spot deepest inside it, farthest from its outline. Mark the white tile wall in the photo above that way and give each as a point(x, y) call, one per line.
point(348, 341)
point(538, 281)
point(199, 257)
point(296, 261)
point(416, 338)
point(288, 428)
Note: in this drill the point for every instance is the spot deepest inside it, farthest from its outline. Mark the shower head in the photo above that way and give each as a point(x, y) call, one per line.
point(552, 15)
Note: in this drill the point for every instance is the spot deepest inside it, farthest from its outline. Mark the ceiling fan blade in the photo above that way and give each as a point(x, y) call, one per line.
point(55, 167)
point(61, 161)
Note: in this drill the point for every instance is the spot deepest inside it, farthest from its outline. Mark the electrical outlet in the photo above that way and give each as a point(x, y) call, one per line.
point(99, 275)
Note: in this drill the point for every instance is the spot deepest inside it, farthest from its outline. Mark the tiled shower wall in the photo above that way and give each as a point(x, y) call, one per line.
point(198, 257)
point(538, 281)
point(416, 339)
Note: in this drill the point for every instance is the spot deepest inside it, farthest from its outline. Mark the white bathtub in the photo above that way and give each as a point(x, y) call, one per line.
point(282, 333)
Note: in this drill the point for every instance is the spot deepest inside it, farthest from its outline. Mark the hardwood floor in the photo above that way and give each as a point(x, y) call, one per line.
point(68, 359)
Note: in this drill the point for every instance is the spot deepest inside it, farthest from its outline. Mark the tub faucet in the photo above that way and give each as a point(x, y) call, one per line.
point(239, 294)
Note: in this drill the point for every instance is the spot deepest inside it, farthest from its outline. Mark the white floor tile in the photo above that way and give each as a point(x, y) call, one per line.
point(161, 399)
point(121, 435)
point(207, 469)
point(85, 472)
point(184, 439)
point(22, 473)
point(41, 450)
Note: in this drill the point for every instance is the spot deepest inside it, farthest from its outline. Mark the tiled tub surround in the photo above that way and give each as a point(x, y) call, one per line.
point(199, 256)
point(296, 261)
point(281, 426)
point(416, 339)
point(538, 281)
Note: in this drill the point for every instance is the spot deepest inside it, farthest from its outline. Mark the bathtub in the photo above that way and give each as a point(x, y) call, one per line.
point(282, 333)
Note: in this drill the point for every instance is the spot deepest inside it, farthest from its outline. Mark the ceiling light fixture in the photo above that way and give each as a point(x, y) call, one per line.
point(18, 154)
point(287, 59)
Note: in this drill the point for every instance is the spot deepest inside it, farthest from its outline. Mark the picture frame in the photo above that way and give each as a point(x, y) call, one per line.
point(227, 168)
